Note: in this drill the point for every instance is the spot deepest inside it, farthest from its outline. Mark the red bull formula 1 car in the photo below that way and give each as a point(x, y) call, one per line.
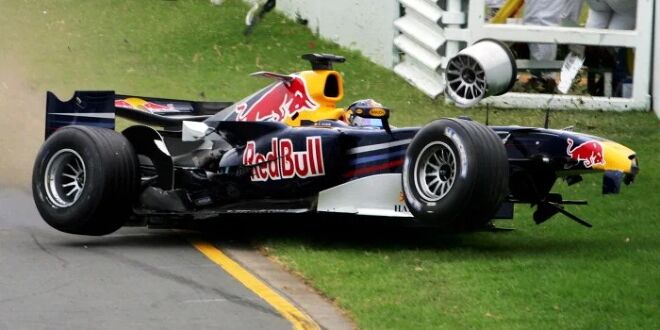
point(288, 148)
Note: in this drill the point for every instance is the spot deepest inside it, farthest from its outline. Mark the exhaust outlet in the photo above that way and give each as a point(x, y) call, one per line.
point(484, 69)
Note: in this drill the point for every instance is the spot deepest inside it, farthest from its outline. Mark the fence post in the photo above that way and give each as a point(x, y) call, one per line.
point(655, 81)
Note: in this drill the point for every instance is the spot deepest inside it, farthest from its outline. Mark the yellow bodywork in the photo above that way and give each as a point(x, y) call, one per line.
point(327, 106)
point(617, 158)
point(137, 103)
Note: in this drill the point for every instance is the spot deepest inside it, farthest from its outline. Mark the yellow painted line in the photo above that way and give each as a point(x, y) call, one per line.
point(298, 318)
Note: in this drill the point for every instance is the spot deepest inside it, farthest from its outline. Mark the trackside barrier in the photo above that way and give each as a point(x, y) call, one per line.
point(424, 42)
point(656, 63)
point(431, 34)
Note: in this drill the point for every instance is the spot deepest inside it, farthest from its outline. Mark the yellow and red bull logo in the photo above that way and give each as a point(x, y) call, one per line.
point(282, 162)
point(282, 100)
point(144, 105)
point(590, 153)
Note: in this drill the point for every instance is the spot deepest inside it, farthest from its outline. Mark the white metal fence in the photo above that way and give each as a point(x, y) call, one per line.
point(432, 33)
point(656, 63)
point(425, 44)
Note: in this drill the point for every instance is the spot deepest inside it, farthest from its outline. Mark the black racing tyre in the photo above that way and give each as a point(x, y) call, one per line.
point(85, 180)
point(455, 174)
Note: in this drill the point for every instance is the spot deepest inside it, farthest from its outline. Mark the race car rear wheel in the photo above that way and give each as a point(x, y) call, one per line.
point(85, 180)
point(455, 174)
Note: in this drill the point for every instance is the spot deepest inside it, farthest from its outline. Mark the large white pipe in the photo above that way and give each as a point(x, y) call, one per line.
point(484, 69)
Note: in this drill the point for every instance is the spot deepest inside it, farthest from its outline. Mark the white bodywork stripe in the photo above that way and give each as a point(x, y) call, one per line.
point(375, 195)
point(378, 146)
point(103, 115)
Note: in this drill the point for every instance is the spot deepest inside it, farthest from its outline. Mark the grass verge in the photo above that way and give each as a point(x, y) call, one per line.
point(549, 276)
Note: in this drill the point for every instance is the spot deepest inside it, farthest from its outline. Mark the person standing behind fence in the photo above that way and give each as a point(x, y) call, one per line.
point(548, 13)
point(543, 13)
point(612, 14)
point(615, 15)
point(570, 16)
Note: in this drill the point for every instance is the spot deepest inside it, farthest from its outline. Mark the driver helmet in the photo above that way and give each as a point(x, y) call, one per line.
point(363, 106)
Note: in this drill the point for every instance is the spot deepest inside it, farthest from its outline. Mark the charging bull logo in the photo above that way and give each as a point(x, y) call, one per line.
point(140, 104)
point(590, 153)
point(282, 100)
point(282, 162)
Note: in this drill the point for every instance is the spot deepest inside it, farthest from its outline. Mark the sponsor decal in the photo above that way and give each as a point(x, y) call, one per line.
point(282, 100)
point(377, 112)
point(590, 153)
point(450, 133)
point(123, 104)
point(140, 104)
point(282, 162)
point(401, 208)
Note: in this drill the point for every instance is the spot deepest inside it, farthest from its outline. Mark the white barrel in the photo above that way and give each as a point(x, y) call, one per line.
point(484, 69)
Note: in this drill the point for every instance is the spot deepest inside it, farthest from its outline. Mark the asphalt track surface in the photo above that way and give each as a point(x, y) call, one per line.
point(136, 278)
point(133, 279)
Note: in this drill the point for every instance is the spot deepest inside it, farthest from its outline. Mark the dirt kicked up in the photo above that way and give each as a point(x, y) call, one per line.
point(22, 109)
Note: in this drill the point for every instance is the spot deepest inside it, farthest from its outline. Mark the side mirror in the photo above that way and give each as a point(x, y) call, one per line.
point(194, 131)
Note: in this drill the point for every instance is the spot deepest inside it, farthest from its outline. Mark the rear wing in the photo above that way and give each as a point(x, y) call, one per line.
point(101, 108)
point(84, 108)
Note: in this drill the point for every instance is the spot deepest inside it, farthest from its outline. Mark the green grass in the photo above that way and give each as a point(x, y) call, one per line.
point(558, 275)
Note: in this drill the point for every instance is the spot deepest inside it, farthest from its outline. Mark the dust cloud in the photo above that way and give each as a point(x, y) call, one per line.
point(22, 114)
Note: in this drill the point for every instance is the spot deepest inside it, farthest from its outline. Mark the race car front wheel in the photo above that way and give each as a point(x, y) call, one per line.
point(455, 174)
point(85, 180)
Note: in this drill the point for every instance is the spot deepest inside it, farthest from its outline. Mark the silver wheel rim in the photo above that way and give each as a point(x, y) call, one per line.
point(65, 178)
point(435, 171)
point(467, 79)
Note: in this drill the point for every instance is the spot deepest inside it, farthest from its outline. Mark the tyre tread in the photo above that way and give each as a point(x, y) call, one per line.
point(481, 194)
